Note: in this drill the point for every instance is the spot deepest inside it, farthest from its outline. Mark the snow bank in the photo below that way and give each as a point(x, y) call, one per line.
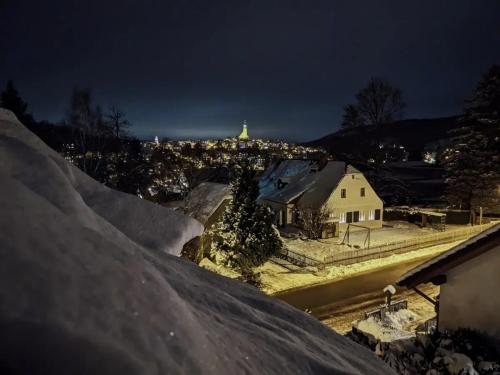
point(88, 286)
point(390, 328)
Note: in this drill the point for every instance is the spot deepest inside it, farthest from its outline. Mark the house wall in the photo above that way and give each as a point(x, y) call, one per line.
point(353, 201)
point(470, 298)
point(277, 207)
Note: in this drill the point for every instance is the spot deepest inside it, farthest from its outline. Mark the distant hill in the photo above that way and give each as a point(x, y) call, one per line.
point(413, 134)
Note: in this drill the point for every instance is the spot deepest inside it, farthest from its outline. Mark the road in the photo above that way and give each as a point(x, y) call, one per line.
point(325, 299)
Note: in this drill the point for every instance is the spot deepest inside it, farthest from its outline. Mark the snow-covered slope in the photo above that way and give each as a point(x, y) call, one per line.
point(87, 286)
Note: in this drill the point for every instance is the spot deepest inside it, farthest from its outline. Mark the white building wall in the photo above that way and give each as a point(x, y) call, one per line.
point(353, 183)
point(470, 298)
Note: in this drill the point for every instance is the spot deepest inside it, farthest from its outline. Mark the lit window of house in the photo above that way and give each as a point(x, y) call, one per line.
point(371, 215)
point(362, 216)
point(342, 217)
point(362, 192)
point(343, 193)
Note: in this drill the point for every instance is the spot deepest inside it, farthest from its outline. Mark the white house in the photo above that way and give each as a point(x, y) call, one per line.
point(339, 190)
point(469, 279)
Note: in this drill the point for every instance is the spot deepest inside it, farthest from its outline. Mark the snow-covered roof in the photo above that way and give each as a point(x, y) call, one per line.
point(313, 187)
point(485, 241)
point(88, 286)
point(204, 200)
point(284, 170)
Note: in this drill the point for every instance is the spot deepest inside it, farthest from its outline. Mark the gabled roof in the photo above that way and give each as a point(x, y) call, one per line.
point(204, 200)
point(313, 187)
point(323, 184)
point(473, 247)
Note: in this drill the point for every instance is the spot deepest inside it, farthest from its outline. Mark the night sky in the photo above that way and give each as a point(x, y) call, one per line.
point(197, 69)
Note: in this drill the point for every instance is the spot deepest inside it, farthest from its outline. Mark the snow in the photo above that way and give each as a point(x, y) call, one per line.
point(276, 278)
point(457, 363)
point(390, 289)
point(284, 169)
point(390, 328)
point(89, 286)
point(204, 200)
point(340, 316)
point(391, 232)
point(220, 269)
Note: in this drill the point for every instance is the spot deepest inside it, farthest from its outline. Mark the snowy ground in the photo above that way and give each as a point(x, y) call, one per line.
point(394, 326)
point(90, 286)
point(341, 318)
point(392, 231)
point(276, 278)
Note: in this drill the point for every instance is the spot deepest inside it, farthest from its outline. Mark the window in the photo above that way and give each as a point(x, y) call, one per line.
point(349, 217)
point(371, 215)
point(342, 217)
point(355, 216)
point(362, 192)
point(343, 193)
point(377, 214)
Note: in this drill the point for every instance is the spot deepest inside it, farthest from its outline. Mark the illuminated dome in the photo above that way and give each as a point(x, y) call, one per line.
point(244, 133)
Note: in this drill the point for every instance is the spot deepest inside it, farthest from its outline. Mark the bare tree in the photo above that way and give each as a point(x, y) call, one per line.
point(90, 131)
point(313, 221)
point(352, 117)
point(117, 122)
point(378, 103)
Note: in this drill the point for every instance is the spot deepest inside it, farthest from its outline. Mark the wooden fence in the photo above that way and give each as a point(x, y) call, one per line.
point(346, 257)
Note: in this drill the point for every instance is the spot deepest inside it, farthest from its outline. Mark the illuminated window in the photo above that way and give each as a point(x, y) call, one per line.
point(342, 217)
point(362, 192)
point(343, 193)
point(371, 215)
point(361, 215)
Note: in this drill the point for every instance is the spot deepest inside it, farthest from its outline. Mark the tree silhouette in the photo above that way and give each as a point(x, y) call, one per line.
point(11, 100)
point(117, 122)
point(378, 103)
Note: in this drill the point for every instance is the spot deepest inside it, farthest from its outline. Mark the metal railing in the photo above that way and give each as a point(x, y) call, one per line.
point(393, 307)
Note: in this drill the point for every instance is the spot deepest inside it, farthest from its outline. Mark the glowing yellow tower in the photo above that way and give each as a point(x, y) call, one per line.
point(244, 133)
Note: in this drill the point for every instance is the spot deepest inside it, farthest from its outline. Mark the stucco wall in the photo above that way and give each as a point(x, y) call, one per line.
point(471, 296)
point(354, 201)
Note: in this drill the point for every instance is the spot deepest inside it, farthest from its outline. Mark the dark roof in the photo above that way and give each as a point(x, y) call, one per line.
point(473, 247)
point(313, 188)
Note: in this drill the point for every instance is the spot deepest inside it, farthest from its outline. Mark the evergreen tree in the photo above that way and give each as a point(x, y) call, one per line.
point(11, 100)
point(246, 236)
point(472, 161)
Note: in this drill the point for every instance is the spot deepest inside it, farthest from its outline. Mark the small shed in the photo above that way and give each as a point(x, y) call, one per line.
point(434, 219)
